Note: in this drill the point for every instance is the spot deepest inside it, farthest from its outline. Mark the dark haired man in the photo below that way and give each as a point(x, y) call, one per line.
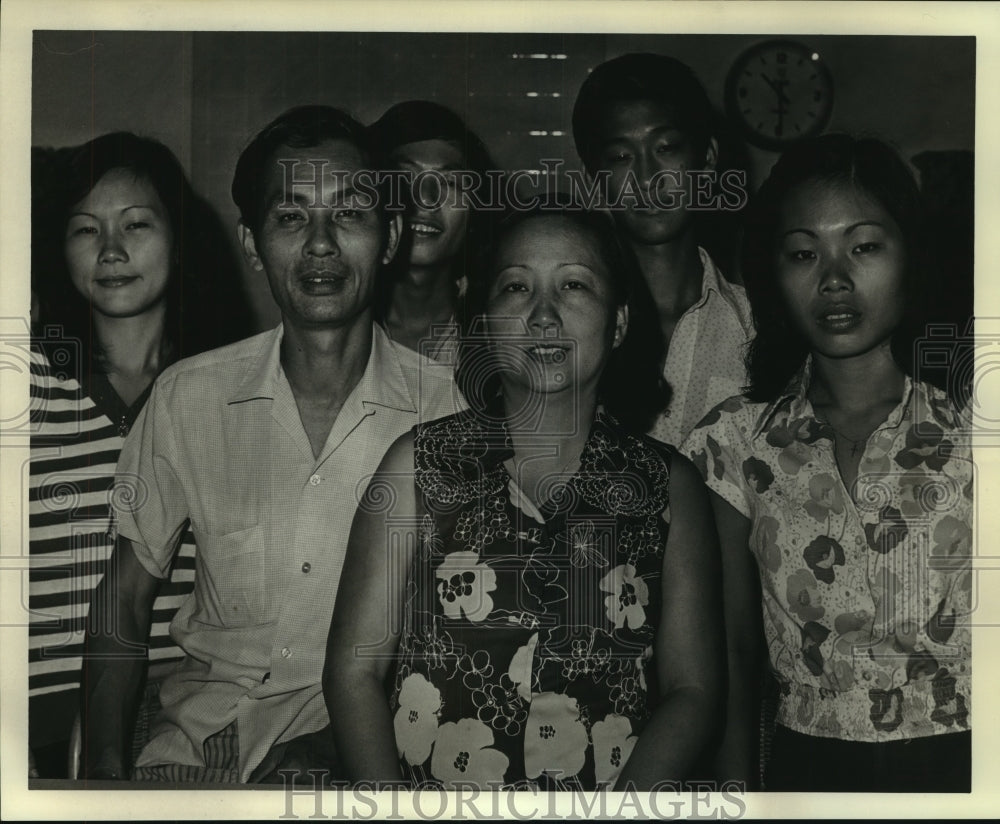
point(264, 448)
point(645, 124)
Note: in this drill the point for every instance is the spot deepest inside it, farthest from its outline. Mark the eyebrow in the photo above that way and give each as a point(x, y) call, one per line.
point(658, 131)
point(847, 230)
point(120, 211)
point(300, 199)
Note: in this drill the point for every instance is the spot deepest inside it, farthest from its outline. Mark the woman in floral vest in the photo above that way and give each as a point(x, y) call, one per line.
point(842, 484)
point(538, 581)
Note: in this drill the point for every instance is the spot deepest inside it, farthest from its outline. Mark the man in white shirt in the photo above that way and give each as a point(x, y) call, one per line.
point(263, 446)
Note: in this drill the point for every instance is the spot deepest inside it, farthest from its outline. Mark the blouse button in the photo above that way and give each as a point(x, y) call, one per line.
point(286, 653)
point(306, 567)
point(315, 480)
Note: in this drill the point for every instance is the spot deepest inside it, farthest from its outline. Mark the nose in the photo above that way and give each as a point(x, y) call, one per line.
point(321, 240)
point(544, 318)
point(836, 277)
point(645, 167)
point(112, 249)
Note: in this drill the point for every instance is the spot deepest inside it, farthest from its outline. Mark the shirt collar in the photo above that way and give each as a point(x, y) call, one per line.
point(382, 383)
point(794, 397)
point(262, 375)
point(711, 276)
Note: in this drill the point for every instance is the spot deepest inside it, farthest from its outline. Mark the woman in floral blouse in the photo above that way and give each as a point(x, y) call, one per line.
point(540, 581)
point(850, 481)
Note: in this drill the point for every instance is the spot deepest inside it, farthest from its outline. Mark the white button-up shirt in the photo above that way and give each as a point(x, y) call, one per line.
point(221, 443)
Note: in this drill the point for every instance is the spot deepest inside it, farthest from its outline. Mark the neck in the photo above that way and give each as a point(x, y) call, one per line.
point(423, 293)
point(673, 272)
point(132, 347)
point(324, 364)
point(561, 413)
point(856, 384)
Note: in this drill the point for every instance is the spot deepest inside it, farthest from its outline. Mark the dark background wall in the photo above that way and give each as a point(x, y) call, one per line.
point(205, 94)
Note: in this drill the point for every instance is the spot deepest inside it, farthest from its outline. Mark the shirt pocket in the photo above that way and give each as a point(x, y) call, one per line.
point(232, 579)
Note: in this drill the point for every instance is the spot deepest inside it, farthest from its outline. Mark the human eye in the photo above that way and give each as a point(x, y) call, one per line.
point(617, 154)
point(799, 255)
point(666, 147)
point(289, 217)
point(348, 214)
point(867, 247)
point(138, 224)
point(81, 230)
point(574, 284)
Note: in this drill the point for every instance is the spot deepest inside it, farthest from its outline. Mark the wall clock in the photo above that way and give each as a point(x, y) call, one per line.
point(779, 91)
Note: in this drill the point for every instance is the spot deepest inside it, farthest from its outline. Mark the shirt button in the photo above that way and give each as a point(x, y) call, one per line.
point(286, 653)
point(306, 567)
point(314, 480)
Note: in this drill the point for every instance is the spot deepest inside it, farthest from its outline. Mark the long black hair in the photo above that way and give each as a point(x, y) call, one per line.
point(778, 351)
point(632, 387)
point(205, 304)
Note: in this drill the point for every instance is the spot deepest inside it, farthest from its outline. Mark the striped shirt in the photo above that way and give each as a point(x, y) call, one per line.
point(74, 450)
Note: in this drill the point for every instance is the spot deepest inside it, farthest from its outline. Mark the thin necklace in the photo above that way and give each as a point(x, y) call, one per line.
point(856, 443)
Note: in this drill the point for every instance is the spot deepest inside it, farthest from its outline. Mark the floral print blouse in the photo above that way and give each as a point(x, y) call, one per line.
point(525, 657)
point(866, 593)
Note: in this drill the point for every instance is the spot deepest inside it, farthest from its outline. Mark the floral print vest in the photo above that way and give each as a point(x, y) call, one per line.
point(525, 657)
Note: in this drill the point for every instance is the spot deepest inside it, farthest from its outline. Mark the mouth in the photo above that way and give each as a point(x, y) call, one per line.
point(423, 229)
point(322, 282)
point(116, 281)
point(839, 318)
point(548, 353)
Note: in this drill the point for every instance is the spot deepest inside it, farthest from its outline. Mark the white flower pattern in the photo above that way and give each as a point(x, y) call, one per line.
point(494, 613)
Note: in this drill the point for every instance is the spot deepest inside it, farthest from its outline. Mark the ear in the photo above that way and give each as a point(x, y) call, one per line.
point(249, 246)
point(621, 326)
point(712, 153)
point(394, 233)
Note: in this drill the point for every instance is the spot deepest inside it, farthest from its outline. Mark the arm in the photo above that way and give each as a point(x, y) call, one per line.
point(368, 614)
point(113, 662)
point(688, 646)
point(738, 755)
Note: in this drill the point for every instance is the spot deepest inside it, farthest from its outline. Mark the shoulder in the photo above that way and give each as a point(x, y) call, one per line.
point(430, 383)
point(217, 370)
point(459, 430)
point(734, 414)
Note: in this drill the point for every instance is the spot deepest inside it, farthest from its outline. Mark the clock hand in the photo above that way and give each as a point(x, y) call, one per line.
point(778, 87)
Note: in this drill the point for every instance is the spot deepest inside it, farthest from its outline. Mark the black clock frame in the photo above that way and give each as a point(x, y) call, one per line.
point(732, 97)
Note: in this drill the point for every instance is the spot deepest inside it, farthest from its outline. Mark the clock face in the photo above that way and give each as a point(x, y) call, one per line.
point(779, 91)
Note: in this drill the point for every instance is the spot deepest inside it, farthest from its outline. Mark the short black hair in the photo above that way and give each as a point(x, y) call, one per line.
point(298, 128)
point(631, 77)
point(413, 121)
point(632, 387)
point(778, 350)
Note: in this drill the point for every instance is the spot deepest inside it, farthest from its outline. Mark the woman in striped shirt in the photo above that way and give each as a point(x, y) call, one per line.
point(119, 243)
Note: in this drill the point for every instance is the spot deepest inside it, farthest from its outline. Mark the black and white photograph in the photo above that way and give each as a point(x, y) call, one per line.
point(472, 410)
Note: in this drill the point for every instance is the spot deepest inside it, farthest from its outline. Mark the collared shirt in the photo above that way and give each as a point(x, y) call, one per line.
point(705, 358)
point(866, 593)
point(221, 444)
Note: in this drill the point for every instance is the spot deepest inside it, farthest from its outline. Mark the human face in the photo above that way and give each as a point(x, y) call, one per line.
point(840, 260)
point(320, 242)
point(647, 154)
point(551, 311)
point(119, 246)
point(438, 218)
